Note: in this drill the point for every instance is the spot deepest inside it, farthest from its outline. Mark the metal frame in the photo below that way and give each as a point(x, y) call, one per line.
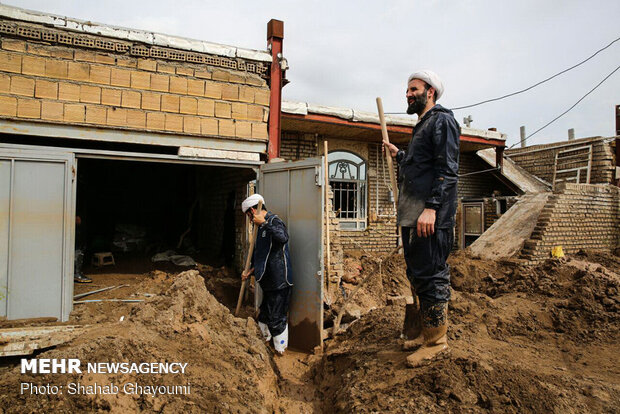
point(576, 158)
point(361, 209)
point(464, 205)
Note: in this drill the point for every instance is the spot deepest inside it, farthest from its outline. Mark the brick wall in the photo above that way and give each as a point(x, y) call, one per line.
point(539, 159)
point(478, 185)
point(70, 85)
point(576, 216)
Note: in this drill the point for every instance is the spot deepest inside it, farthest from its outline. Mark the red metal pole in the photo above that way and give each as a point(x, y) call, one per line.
point(275, 34)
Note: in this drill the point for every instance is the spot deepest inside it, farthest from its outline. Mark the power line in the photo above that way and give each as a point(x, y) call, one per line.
point(565, 112)
point(528, 88)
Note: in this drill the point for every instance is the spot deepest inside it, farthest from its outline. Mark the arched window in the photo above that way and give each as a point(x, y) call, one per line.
point(347, 177)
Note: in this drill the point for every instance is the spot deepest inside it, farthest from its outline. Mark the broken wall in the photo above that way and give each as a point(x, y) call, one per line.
point(576, 216)
point(540, 159)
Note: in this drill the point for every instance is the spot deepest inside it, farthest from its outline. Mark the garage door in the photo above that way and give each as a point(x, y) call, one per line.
point(37, 211)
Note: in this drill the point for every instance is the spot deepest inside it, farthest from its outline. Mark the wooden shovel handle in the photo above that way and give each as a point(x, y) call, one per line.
point(248, 261)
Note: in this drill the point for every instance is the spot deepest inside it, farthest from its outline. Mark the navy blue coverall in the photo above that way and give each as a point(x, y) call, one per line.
point(428, 176)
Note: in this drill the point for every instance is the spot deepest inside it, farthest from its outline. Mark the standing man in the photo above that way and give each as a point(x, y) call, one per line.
point(272, 269)
point(428, 175)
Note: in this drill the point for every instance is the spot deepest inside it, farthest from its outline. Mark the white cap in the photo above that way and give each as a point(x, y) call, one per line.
point(431, 78)
point(251, 201)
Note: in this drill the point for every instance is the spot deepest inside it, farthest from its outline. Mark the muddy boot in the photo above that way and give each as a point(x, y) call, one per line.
point(412, 328)
point(434, 331)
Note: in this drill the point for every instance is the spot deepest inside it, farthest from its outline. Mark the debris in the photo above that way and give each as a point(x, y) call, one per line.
point(172, 256)
point(26, 340)
point(77, 302)
point(81, 295)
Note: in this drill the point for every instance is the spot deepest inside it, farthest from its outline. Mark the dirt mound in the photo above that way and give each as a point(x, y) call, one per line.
point(228, 367)
point(523, 339)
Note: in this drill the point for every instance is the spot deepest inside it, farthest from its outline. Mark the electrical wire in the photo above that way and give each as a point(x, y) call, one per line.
point(528, 88)
point(565, 112)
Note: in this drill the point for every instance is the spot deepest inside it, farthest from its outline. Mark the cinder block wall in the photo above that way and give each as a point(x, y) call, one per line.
point(539, 159)
point(55, 83)
point(576, 216)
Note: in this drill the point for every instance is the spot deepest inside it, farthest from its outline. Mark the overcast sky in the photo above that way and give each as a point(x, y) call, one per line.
point(346, 53)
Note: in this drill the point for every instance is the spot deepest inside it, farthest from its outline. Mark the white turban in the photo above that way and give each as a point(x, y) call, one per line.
point(251, 201)
point(431, 78)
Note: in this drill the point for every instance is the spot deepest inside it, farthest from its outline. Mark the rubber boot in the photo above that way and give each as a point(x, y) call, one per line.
point(280, 342)
point(412, 328)
point(434, 331)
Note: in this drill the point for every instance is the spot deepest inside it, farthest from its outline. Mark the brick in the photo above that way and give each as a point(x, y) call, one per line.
point(96, 114)
point(140, 80)
point(255, 80)
point(147, 64)
point(235, 78)
point(53, 111)
point(10, 62)
point(111, 97)
point(75, 112)
point(166, 68)
point(28, 108)
point(100, 74)
point(243, 129)
point(151, 100)
point(14, 45)
point(182, 70)
point(206, 107)
point(239, 110)
point(127, 62)
point(170, 103)
point(261, 97)
point(33, 65)
point(259, 130)
point(105, 59)
point(160, 82)
point(61, 53)
point(174, 123)
point(68, 92)
point(5, 83)
point(90, 94)
point(255, 113)
point(208, 126)
point(222, 110)
point(178, 85)
point(78, 71)
point(116, 117)
point(85, 56)
point(220, 75)
point(226, 128)
point(230, 92)
point(56, 69)
point(131, 99)
point(8, 106)
point(191, 125)
point(38, 50)
point(136, 118)
point(188, 105)
point(195, 87)
point(120, 77)
point(246, 94)
point(213, 90)
point(202, 74)
point(155, 120)
point(22, 86)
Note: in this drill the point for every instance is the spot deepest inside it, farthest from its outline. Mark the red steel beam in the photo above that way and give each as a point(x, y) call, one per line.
point(275, 34)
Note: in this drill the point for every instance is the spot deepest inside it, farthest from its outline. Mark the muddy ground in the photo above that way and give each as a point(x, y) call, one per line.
point(523, 339)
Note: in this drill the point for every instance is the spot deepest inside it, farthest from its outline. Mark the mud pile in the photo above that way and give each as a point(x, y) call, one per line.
point(228, 369)
point(523, 339)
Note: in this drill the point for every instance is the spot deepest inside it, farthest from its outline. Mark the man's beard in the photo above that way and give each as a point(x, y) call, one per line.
point(418, 104)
